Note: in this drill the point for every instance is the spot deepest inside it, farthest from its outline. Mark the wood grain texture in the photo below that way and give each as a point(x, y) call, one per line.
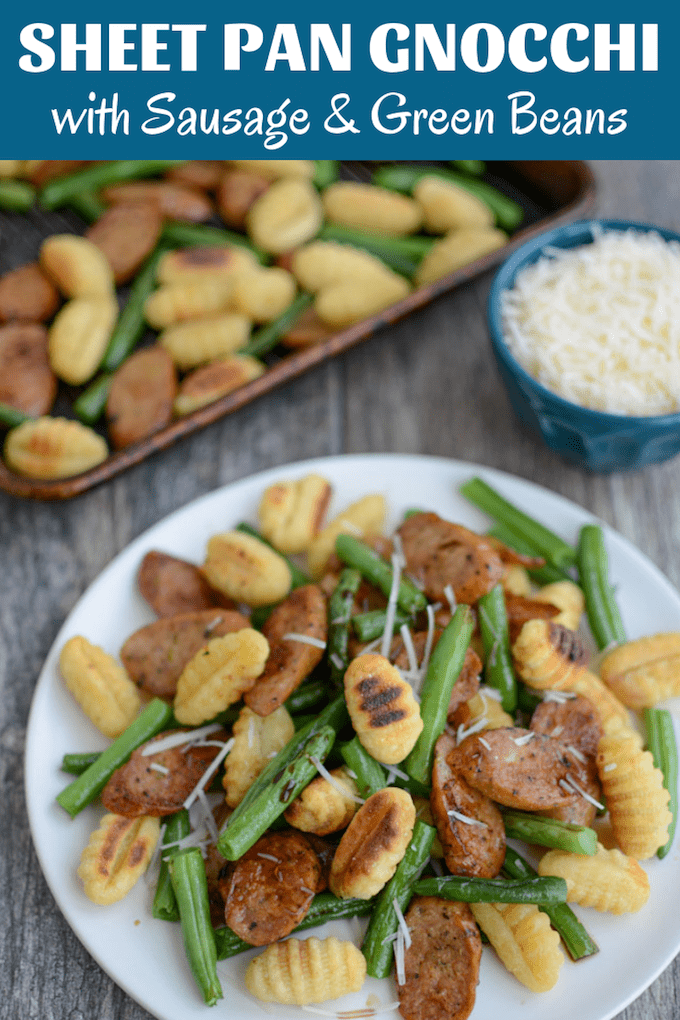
point(425, 385)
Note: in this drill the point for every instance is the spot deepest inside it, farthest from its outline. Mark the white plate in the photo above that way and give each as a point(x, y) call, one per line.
point(144, 956)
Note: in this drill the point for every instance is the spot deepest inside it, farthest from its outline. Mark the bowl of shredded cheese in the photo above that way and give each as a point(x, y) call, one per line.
point(585, 327)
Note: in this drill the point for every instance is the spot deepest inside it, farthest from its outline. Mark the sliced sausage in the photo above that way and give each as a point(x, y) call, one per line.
point(442, 962)
point(324, 848)
point(26, 380)
point(126, 234)
point(270, 889)
point(141, 396)
point(156, 655)
point(172, 586)
point(28, 295)
point(474, 844)
point(511, 557)
point(520, 609)
point(576, 724)
point(467, 684)
point(157, 784)
point(308, 329)
point(235, 195)
point(290, 661)
point(439, 553)
point(519, 768)
point(575, 721)
point(47, 169)
point(204, 174)
point(174, 201)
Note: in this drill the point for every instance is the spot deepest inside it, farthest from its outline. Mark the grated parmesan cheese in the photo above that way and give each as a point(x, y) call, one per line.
point(304, 639)
point(600, 324)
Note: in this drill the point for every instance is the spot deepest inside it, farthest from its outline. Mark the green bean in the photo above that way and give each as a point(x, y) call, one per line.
point(547, 544)
point(335, 714)
point(164, 906)
point(131, 324)
point(299, 721)
point(240, 833)
point(339, 615)
point(12, 417)
point(360, 556)
point(577, 941)
point(528, 700)
point(16, 196)
point(442, 672)
point(308, 695)
point(603, 614)
point(509, 214)
point(260, 615)
point(89, 406)
point(190, 885)
point(83, 790)
point(493, 624)
point(495, 890)
point(378, 946)
point(371, 625)
point(413, 786)
point(413, 512)
point(185, 235)
point(575, 839)
point(88, 205)
point(266, 338)
point(662, 743)
point(370, 775)
point(403, 254)
point(541, 575)
point(327, 171)
point(476, 167)
point(325, 907)
point(299, 577)
point(60, 191)
point(75, 764)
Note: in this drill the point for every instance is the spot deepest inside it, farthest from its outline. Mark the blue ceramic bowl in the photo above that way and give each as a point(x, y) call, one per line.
point(592, 439)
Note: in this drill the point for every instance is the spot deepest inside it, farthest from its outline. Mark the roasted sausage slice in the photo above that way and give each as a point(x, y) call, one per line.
point(442, 962)
point(270, 889)
point(235, 195)
point(176, 201)
point(141, 788)
point(28, 295)
point(574, 721)
point(47, 169)
point(308, 329)
point(155, 655)
point(576, 724)
point(172, 586)
point(141, 396)
point(290, 661)
point(520, 609)
point(519, 768)
point(126, 234)
point(204, 174)
point(474, 844)
point(439, 553)
point(26, 380)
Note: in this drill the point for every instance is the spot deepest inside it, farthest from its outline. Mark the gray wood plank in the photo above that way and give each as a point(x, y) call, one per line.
point(426, 385)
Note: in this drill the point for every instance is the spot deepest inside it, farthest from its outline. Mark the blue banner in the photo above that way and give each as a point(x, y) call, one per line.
point(375, 81)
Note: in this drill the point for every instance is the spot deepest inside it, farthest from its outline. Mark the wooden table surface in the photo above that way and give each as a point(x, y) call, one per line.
point(427, 385)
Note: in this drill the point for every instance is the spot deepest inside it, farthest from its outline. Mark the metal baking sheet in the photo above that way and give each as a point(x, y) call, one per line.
point(550, 192)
